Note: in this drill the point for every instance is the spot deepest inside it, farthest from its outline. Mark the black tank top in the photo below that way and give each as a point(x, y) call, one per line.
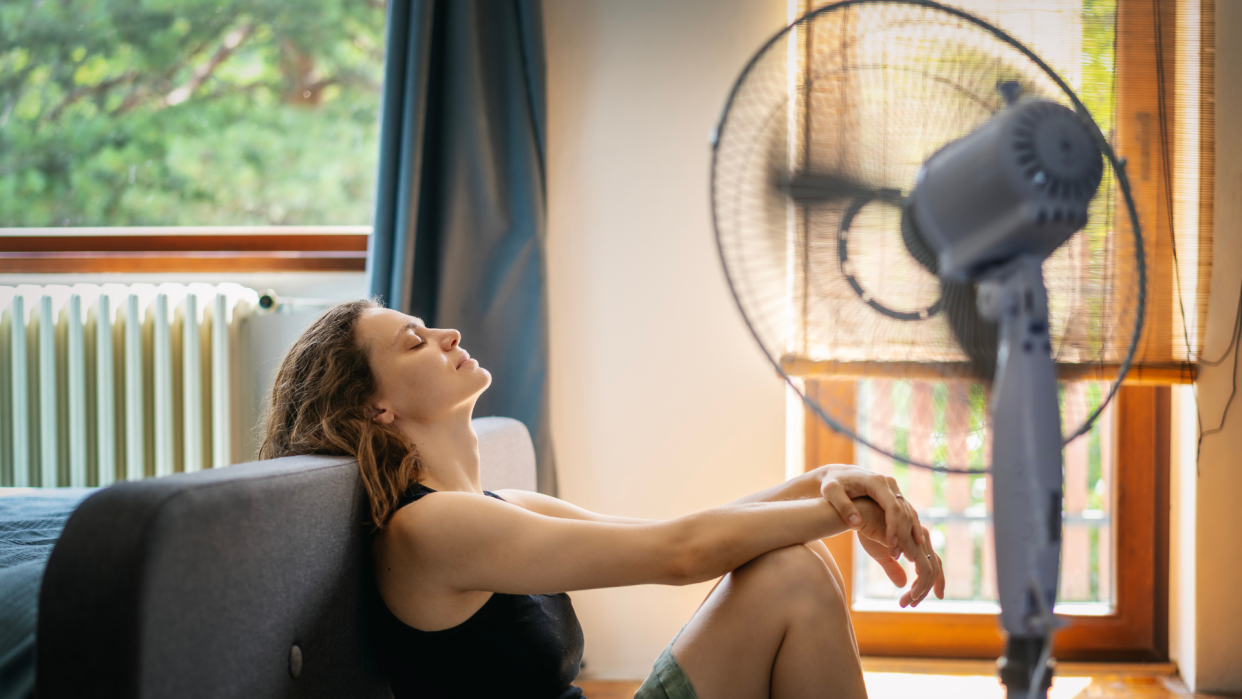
point(521, 646)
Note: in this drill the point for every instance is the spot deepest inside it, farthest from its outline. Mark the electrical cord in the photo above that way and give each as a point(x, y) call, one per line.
point(1166, 167)
point(1233, 391)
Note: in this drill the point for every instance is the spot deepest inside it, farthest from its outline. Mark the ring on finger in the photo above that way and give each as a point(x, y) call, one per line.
point(899, 496)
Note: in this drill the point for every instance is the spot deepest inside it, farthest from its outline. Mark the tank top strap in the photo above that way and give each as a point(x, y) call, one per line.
point(416, 491)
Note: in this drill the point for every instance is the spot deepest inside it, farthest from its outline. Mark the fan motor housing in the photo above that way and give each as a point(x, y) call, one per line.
point(1019, 184)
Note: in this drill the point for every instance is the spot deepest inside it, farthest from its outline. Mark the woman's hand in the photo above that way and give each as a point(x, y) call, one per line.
point(841, 483)
point(872, 535)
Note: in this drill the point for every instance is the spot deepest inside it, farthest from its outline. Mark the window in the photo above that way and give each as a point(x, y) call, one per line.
point(216, 148)
point(1138, 66)
point(188, 116)
point(1114, 556)
point(945, 423)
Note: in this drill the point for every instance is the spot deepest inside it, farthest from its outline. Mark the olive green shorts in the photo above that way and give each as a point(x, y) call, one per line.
point(667, 680)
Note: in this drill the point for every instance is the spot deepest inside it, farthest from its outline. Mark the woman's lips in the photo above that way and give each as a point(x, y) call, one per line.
point(463, 362)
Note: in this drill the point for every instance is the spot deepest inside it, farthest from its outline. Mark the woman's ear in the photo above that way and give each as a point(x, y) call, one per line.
point(377, 414)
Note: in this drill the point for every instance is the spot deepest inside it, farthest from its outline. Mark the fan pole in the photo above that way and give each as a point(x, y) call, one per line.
point(1026, 472)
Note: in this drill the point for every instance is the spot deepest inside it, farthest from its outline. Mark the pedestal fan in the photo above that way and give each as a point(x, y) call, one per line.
point(900, 189)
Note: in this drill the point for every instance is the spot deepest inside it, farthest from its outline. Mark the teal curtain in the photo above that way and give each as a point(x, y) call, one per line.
point(459, 235)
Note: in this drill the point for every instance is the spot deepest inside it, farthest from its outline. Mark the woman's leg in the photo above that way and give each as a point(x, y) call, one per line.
point(776, 627)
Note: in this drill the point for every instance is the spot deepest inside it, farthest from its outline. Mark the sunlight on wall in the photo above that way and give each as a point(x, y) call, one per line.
point(662, 402)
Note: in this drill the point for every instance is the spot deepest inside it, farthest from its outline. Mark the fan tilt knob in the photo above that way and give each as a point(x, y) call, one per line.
point(1019, 184)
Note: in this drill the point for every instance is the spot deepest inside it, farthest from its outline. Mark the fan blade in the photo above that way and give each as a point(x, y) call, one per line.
point(822, 188)
point(979, 338)
point(916, 245)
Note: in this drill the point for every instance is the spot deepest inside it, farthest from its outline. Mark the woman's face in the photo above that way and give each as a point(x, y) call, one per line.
point(422, 374)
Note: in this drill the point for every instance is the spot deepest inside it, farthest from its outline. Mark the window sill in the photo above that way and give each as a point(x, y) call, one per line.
point(935, 606)
point(183, 249)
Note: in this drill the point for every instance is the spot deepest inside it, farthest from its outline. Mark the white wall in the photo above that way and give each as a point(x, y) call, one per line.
point(1217, 663)
point(1183, 512)
point(662, 403)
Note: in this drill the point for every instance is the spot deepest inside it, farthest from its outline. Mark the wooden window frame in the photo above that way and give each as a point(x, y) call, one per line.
point(1136, 631)
point(183, 249)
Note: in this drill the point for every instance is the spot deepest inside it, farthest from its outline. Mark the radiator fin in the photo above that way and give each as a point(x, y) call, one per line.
point(118, 382)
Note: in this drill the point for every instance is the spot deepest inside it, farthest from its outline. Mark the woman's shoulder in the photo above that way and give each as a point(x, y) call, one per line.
point(417, 491)
point(423, 509)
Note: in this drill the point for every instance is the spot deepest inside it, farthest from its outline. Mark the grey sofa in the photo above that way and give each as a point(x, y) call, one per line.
point(249, 581)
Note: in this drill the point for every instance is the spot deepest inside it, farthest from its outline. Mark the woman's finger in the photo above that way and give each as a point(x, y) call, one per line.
point(836, 496)
point(902, 531)
point(899, 516)
point(935, 580)
point(916, 529)
point(894, 571)
point(923, 571)
point(877, 488)
point(882, 554)
point(938, 585)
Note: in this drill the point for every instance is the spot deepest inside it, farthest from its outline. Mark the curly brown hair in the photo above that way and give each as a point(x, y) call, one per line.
point(318, 407)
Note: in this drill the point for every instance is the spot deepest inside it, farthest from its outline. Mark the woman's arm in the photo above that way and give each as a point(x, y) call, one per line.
point(555, 507)
point(839, 484)
point(458, 542)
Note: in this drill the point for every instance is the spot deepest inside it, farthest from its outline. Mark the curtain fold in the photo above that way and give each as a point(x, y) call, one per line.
point(459, 236)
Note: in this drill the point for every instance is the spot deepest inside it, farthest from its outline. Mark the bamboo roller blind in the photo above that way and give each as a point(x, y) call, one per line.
point(1151, 93)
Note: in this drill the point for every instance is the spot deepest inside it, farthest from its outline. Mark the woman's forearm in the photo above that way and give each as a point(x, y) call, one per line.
point(800, 487)
point(718, 540)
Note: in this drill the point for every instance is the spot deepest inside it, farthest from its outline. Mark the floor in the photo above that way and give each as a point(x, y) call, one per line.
point(890, 678)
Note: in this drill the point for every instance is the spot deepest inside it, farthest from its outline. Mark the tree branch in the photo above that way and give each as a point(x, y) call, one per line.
point(78, 93)
point(232, 41)
point(235, 90)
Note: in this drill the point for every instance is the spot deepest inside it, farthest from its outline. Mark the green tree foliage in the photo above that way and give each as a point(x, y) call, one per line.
point(189, 112)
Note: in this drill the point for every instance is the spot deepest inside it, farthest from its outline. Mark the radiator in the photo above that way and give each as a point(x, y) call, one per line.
point(100, 383)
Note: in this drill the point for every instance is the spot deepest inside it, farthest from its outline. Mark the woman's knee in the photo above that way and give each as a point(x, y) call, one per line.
point(793, 573)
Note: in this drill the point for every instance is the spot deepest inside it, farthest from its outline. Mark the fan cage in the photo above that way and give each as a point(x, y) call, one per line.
point(728, 215)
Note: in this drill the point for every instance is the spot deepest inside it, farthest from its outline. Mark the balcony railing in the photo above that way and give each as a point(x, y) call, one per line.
point(944, 424)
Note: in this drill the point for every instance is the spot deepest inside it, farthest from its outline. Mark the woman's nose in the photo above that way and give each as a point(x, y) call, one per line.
point(451, 338)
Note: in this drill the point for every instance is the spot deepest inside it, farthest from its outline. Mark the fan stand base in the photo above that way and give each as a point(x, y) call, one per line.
point(1017, 666)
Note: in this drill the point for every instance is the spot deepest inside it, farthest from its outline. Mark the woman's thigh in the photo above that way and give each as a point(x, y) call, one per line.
point(730, 645)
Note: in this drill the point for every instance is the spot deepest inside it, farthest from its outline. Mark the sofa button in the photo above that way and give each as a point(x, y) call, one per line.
point(295, 661)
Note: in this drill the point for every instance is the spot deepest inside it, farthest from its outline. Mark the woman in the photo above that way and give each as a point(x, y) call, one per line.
point(472, 583)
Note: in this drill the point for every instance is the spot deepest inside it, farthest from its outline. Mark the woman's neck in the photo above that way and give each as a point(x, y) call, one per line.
point(449, 452)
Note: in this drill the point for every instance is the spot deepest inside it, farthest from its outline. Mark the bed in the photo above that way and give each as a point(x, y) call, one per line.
point(30, 522)
point(247, 581)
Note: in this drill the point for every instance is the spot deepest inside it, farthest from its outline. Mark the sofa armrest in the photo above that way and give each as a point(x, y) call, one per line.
point(248, 581)
point(203, 585)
